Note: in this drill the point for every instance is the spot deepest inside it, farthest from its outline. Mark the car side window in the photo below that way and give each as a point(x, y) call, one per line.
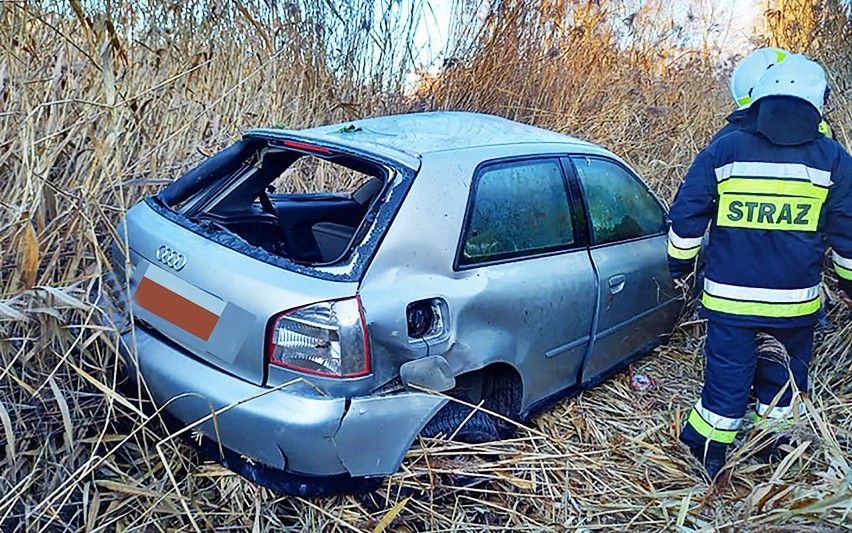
point(517, 209)
point(620, 207)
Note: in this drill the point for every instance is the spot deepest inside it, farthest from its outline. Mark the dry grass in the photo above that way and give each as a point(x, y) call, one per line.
point(98, 108)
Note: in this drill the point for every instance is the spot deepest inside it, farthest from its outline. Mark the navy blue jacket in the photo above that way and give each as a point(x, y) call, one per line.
point(735, 121)
point(771, 209)
point(744, 119)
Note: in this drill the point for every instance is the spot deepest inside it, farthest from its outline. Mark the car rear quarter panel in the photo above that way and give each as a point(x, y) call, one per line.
point(415, 262)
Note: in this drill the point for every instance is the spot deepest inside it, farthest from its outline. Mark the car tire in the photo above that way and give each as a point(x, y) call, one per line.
point(503, 395)
point(456, 420)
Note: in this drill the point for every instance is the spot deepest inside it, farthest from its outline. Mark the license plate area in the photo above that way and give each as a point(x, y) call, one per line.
point(178, 302)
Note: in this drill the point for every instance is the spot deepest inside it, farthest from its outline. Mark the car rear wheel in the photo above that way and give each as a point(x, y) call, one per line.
point(502, 394)
point(500, 391)
point(461, 423)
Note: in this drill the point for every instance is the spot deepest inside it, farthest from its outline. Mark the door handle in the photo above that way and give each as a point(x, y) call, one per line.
point(616, 283)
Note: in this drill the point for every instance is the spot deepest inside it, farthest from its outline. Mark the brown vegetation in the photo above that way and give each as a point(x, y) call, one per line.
point(103, 103)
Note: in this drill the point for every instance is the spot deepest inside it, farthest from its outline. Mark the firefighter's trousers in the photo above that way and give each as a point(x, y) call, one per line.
point(733, 368)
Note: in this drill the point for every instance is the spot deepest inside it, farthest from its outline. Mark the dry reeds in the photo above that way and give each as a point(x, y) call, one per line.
point(101, 104)
point(821, 29)
point(605, 71)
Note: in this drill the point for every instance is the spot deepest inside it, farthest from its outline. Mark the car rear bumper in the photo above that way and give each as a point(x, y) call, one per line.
point(293, 428)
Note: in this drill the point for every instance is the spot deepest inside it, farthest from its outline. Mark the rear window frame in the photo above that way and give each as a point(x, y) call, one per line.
point(236, 199)
point(352, 267)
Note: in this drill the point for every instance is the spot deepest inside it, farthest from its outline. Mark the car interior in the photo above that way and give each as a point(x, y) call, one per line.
point(314, 222)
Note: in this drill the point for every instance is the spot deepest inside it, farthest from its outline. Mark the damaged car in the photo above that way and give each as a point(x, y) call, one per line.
point(311, 301)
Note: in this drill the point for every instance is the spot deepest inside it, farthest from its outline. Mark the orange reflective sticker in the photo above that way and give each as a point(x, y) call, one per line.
point(174, 308)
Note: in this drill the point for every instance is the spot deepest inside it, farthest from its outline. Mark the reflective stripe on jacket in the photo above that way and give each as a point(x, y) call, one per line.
point(771, 210)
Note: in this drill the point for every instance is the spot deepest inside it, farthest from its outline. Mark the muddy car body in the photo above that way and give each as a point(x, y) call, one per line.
point(485, 259)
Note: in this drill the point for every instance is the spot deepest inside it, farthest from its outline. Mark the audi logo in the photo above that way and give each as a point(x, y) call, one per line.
point(171, 257)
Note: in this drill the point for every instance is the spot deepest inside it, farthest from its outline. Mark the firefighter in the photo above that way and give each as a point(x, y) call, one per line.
point(773, 192)
point(743, 79)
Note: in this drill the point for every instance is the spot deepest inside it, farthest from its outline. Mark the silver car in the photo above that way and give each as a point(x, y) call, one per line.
point(311, 337)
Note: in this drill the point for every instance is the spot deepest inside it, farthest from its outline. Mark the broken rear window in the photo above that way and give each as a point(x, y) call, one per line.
point(299, 201)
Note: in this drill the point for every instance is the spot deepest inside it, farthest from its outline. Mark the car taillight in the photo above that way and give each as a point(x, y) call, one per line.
point(326, 338)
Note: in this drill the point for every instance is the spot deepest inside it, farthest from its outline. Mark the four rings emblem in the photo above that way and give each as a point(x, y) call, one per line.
point(170, 257)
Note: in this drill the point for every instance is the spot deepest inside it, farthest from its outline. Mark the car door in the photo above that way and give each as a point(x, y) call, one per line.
point(521, 236)
point(636, 301)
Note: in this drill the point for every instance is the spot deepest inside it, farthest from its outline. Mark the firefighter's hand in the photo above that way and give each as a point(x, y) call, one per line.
point(680, 268)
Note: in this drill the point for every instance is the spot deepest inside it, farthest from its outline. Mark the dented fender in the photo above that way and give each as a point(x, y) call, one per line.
point(376, 432)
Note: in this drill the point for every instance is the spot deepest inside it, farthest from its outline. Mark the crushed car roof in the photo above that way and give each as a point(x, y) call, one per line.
point(415, 134)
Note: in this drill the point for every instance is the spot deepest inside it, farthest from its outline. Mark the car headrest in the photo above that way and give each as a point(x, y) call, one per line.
point(368, 190)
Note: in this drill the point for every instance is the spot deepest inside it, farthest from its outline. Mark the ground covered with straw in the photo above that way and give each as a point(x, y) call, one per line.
point(102, 104)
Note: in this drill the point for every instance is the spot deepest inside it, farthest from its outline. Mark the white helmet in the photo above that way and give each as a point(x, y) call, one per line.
point(797, 76)
point(749, 71)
